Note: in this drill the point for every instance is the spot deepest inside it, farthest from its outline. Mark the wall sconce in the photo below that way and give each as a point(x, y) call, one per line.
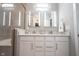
point(8, 5)
point(4, 18)
point(42, 7)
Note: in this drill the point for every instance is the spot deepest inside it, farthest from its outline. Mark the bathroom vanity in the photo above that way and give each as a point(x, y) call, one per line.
point(42, 36)
point(43, 44)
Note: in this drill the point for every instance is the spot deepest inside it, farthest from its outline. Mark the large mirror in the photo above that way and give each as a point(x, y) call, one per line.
point(42, 15)
point(42, 19)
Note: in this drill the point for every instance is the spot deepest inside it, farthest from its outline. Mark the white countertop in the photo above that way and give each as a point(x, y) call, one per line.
point(54, 34)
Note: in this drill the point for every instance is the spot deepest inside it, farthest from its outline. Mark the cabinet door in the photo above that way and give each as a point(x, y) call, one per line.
point(26, 48)
point(39, 46)
point(62, 46)
point(62, 49)
point(50, 44)
point(39, 39)
point(49, 39)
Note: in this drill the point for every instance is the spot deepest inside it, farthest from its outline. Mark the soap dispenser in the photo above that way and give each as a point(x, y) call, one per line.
point(61, 26)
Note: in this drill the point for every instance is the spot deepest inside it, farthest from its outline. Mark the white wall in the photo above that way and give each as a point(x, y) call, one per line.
point(77, 28)
point(77, 10)
point(66, 13)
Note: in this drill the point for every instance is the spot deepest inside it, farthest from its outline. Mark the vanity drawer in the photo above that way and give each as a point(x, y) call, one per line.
point(62, 38)
point(50, 48)
point(39, 48)
point(39, 38)
point(50, 39)
point(39, 44)
point(26, 38)
point(50, 44)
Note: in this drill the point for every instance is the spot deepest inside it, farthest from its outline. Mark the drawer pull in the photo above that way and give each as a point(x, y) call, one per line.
point(49, 47)
point(32, 46)
point(56, 46)
point(39, 47)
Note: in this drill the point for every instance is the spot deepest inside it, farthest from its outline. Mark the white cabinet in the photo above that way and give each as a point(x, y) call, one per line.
point(62, 46)
point(62, 49)
point(44, 46)
point(39, 45)
point(50, 46)
point(26, 46)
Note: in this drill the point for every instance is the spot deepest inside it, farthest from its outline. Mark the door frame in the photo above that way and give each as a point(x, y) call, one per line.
point(75, 30)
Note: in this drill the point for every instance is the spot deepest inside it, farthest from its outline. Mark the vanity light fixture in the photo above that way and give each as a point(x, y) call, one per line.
point(7, 5)
point(4, 18)
point(9, 18)
point(19, 24)
point(39, 18)
point(29, 18)
point(45, 23)
point(54, 17)
point(42, 7)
